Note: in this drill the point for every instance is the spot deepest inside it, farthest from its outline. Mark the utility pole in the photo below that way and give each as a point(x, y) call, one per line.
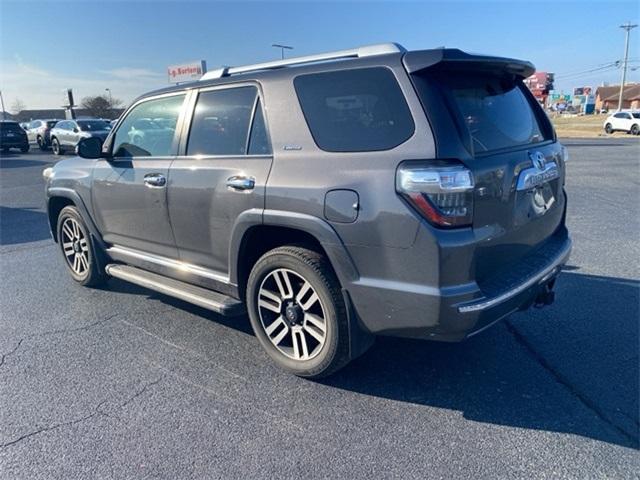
point(282, 49)
point(110, 99)
point(2, 102)
point(627, 27)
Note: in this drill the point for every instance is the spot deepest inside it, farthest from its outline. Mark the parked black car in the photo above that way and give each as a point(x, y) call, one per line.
point(12, 135)
point(336, 197)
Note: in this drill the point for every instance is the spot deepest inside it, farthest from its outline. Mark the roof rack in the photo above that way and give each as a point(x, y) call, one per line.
point(366, 51)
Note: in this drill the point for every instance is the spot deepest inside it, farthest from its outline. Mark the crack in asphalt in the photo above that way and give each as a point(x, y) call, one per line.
point(565, 382)
point(55, 332)
point(97, 411)
point(5, 355)
point(54, 427)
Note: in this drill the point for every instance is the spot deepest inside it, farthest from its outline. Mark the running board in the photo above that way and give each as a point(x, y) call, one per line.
point(202, 297)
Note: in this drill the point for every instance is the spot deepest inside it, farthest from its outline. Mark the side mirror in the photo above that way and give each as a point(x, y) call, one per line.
point(75, 130)
point(90, 148)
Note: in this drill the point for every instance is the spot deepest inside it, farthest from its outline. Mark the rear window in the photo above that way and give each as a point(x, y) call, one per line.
point(93, 125)
point(355, 110)
point(494, 109)
point(10, 127)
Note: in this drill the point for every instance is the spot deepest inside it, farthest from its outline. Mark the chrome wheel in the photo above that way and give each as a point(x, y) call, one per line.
point(75, 246)
point(292, 314)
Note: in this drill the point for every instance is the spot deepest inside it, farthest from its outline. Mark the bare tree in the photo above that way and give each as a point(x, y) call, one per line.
point(100, 106)
point(17, 106)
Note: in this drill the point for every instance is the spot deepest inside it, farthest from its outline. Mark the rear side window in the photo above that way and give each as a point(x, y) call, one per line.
point(494, 109)
point(51, 123)
point(355, 110)
point(221, 123)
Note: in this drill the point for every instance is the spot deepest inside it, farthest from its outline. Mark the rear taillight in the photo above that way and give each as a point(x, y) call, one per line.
point(441, 194)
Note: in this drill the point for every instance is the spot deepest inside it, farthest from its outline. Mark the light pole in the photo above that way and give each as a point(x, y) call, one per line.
point(2, 102)
point(110, 101)
point(282, 48)
point(627, 27)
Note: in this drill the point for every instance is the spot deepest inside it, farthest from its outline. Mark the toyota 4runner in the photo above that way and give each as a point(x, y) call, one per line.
point(332, 197)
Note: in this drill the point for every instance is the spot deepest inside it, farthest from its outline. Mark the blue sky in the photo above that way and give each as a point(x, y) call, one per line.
point(126, 46)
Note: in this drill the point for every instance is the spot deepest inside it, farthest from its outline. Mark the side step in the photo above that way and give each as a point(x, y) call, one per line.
point(202, 297)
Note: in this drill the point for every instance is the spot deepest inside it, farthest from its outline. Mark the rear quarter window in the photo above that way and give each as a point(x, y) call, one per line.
point(355, 110)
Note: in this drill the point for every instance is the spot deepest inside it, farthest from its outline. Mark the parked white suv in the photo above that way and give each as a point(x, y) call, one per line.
point(623, 121)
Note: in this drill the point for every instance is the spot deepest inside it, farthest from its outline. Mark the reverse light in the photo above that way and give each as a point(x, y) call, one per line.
point(441, 194)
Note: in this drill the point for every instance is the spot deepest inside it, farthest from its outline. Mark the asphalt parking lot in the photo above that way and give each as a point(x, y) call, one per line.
point(126, 383)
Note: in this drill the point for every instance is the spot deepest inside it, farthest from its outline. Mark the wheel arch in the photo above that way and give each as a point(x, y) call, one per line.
point(57, 199)
point(256, 232)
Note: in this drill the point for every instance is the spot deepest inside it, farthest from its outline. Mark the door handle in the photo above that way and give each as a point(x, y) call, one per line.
point(155, 180)
point(240, 182)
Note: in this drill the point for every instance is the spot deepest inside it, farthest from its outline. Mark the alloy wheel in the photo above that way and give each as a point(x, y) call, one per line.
point(75, 246)
point(292, 314)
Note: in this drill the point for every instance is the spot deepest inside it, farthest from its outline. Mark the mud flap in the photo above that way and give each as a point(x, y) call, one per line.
point(359, 339)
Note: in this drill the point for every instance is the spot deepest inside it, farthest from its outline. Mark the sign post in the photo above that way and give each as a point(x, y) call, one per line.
point(186, 72)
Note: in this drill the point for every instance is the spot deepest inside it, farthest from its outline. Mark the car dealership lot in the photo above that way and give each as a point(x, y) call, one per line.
point(127, 383)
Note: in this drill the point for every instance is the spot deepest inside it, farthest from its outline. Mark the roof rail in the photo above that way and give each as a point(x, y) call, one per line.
point(366, 51)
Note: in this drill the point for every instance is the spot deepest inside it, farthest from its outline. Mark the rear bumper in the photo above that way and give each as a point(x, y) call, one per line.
point(457, 312)
point(14, 143)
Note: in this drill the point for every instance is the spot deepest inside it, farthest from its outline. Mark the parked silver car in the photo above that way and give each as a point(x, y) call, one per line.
point(67, 133)
point(39, 131)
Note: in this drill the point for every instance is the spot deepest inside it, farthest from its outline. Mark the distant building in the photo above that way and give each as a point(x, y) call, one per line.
point(540, 84)
point(59, 113)
point(607, 97)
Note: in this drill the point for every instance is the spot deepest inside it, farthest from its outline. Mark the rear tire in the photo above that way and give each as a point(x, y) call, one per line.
point(77, 248)
point(298, 313)
point(24, 149)
point(55, 146)
point(41, 144)
point(608, 128)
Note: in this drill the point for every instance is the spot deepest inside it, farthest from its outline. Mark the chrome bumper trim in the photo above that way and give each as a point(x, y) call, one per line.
point(540, 277)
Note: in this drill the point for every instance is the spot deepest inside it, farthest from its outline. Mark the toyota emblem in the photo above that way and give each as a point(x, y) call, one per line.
point(538, 160)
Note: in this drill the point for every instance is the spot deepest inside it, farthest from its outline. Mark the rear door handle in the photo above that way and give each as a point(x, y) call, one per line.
point(240, 182)
point(155, 180)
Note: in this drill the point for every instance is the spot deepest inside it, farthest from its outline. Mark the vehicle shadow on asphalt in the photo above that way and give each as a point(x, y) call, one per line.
point(22, 225)
point(571, 368)
point(584, 349)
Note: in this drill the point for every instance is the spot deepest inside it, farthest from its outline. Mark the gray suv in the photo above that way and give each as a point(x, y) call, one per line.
point(332, 197)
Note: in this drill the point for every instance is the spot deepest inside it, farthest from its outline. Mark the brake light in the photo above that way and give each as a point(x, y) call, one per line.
point(441, 194)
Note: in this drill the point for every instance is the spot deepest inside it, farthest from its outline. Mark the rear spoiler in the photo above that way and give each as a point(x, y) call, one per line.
point(454, 59)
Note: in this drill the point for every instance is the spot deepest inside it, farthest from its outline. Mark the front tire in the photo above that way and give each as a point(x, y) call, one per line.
point(55, 146)
point(77, 248)
point(41, 144)
point(24, 149)
point(635, 130)
point(298, 313)
point(608, 128)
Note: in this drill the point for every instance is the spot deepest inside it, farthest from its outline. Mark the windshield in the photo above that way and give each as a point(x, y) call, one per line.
point(93, 125)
